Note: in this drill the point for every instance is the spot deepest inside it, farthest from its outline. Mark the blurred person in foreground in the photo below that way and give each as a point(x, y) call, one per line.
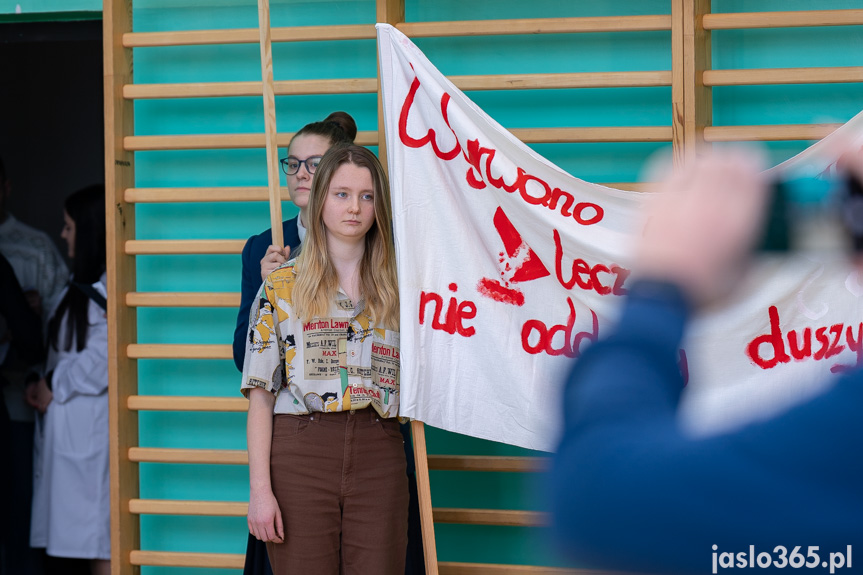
point(630, 490)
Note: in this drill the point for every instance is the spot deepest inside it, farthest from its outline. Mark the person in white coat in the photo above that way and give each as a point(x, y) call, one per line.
point(71, 486)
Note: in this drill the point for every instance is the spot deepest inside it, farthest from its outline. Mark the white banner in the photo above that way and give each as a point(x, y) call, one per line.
point(509, 267)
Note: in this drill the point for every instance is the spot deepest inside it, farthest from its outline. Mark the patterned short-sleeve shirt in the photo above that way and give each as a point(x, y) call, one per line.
point(337, 363)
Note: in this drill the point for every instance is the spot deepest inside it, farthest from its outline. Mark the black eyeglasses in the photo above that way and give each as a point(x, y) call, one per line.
point(291, 165)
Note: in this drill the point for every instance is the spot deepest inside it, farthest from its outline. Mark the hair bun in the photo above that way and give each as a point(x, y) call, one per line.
point(344, 121)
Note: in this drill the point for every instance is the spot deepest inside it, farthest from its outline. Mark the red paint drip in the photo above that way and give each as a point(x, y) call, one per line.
point(493, 290)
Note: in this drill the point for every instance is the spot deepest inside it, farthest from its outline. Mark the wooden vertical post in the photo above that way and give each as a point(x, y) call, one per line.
point(388, 12)
point(677, 81)
point(393, 12)
point(424, 494)
point(697, 98)
point(270, 122)
point(122, 320)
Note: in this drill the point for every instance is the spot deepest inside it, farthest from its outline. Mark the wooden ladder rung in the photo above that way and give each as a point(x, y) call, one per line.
point(219, 141)
point(488, 463)
point(770, 76)
point(633, 79)
point(658, 22)
point(236, 561)
point(498, 517)
point(178, 403)
point(797, 18)
point(646, 23)
point(234, 89)
point(768, 133)
point(527, 135)
point(178, 351)
point(248, 35)
point(220, 194)
point(502, 517)
point(191, 456)
point(593, 134)
point(183, 247)
point(640, 79)
point(175, 507)
point(179, 559)
point(183, 299)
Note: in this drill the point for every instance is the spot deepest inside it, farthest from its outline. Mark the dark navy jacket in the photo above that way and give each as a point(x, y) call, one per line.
point(253, 253)
point(631, 492)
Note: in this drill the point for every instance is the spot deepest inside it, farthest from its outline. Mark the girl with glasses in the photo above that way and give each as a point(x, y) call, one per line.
point(259, 256)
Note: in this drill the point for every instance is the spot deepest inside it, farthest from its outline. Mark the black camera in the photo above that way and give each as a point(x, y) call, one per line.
point(815, 213)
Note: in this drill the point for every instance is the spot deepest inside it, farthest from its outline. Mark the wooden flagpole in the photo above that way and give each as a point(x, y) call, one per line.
point(270, 121)
point(393, 12)
point(424, 494)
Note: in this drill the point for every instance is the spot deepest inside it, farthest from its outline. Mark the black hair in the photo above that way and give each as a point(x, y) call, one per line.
point(338, 128)
point(346, 123)
point(86, 208)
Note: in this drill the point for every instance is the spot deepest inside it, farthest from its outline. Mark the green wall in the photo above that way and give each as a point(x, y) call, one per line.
point(57, 9)
point(841, 46)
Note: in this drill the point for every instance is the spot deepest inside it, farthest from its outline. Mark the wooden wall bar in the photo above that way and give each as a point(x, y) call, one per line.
point(689, 23)
point(369, 85)
point(225, 194)
point(246, 36)
point(746, 20)
point(230, 89)
point(395, 16)
point(646, 23)
point(528, 135)
point(767, 133)
point(122, 323)
point(767, 76)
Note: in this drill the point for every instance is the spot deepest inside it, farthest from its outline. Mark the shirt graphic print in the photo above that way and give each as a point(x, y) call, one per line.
point(337, 363)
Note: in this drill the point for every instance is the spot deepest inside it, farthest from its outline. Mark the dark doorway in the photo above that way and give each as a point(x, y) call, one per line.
point(51, 116)
point(52, 144)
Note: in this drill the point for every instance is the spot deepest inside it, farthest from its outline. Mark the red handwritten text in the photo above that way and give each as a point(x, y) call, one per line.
point(456, 313)
point(586, 276)
point(532, 189)
point(831, 341)
point(544, 341)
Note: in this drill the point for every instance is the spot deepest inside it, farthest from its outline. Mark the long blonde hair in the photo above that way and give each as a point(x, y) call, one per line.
point(317, 282)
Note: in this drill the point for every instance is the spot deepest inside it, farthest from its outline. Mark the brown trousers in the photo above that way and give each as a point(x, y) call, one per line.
point(341, 485)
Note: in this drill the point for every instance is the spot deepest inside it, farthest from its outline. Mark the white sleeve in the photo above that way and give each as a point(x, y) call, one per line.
point(84, 372)
point(263, 362)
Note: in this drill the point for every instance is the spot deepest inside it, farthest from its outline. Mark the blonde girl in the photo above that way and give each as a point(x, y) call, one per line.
point(328, 489)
